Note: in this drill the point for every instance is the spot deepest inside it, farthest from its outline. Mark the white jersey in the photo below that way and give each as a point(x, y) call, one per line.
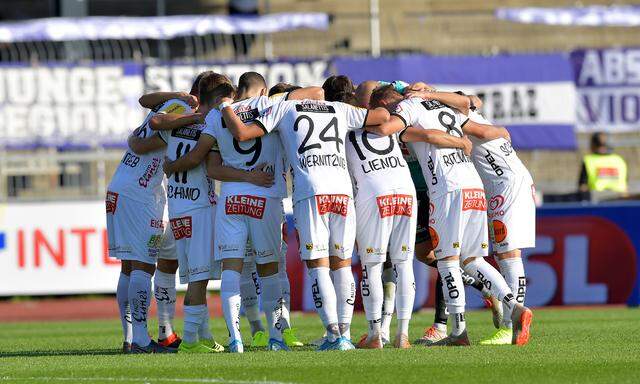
point(246, 155)
point(444, 169)
point(495, 160)
point(376, 164)
point(313, 134)
point(139, 177)
point(192, 189)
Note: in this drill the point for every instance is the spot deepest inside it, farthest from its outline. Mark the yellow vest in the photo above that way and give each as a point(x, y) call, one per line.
point(606, 172)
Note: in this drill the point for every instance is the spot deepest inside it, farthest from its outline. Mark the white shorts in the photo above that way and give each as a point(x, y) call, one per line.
point(168, 250)
point(326, 226)
point(245, 223)
point(512, 216)
point(458, 224)
point(194, 233)
point(386, 224)
point(134, 229)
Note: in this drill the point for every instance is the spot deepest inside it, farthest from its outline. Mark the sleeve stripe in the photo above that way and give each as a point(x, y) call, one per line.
point(161, 138)
point(402, 133)
point(465, 122)
point(401, 118)
point(364, 124)
point(259, 124)
point(286, 96)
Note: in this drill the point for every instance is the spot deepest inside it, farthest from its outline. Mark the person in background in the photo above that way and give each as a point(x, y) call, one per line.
point(602, 170)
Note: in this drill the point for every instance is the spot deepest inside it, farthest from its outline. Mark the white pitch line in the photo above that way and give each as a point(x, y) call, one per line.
point(144, 380)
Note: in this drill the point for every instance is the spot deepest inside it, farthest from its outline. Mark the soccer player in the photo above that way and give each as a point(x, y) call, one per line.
point(386, 215)
point(135, 205)
point(313, 134)
point(458, 220)
point(192, 202)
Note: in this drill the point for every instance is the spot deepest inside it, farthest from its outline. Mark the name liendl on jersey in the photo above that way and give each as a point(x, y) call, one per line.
point(382, 164)
point(328, 160)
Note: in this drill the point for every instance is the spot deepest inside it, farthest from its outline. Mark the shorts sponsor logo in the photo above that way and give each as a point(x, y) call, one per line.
point(369, 250)
point(181, 227)
point(375, 251)
point(247, 205)
point(155, 223)
point(229, 248)
point(456, 245)
point(395, 205)
point(473, 199)
point(309, 246)
point(484, 245)
point(435, 239)
point(338, 247)
point(336, 204)
point(496, 202)
point(111, 202)
point(265, 253)
point(499, 231)
point(405, 248)
point(155, 242)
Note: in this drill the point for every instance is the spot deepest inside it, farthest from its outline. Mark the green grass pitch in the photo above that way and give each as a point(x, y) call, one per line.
point(599, 345)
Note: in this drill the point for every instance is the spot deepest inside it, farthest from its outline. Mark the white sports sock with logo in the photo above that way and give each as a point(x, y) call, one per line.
point(122, 297)
point(249, 291)
point(193, 316)
point(513, 271)
point(324, 299)
point(272, 304)
point(164, 290)
point(372, 295)
point(345, 286)
point(389, 299)
point(231, 301)
point(454, 295)
point(405, 294)
point(139, 300)
point(492, 280)
point(286, 289)
point(204, 332)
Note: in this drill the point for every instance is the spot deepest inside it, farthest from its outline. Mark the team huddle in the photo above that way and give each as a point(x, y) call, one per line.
point(391, 171)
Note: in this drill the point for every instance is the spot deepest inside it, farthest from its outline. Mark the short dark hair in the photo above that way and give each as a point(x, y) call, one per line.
point(250, 80)
point(339, 88)
point(282, 88)
point(194, 87)
point(209, 87)
point(382, 93)
point(598, 139)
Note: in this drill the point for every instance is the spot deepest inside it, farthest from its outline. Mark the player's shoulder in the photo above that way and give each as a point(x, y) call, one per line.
point(173, 106)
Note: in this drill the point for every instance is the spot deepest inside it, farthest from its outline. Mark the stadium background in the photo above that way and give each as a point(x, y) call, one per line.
point(66, 106)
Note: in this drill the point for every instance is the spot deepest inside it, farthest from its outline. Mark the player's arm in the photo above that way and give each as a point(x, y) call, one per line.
point(377, 116)
point(308, 93)
point(192, 158)
point(169, 121)
point(256, 176)
point(237, 128)
point(460, 102)
point(436, 137)
point(392, 125)
point(142, 145)
point(484, 131)
point(151, 100)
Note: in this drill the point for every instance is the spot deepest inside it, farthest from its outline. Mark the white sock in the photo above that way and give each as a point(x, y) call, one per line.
point(272, 303)
point(164, 290)
point(230, 296)
point(389, 300)
point(249, 291)
point(324, 298)
point(453, 290)
point(139, 300)
point(513, 271)
point(122, 297)
point(492, 279)
point(193, 316)
point(286, 292)
point(405, 295)
point(204, 332)
point(372, 295)
point(345, 286)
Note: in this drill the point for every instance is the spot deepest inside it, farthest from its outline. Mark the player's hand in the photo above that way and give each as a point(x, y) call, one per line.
point(188, 98)
point(226, 99)
point(424, 95)
point(259, 177)
point(198, 118)
point(467, 145)
point(166, 166)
